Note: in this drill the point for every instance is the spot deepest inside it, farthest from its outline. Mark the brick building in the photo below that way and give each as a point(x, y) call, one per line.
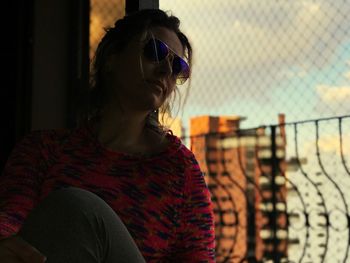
point(250, 218)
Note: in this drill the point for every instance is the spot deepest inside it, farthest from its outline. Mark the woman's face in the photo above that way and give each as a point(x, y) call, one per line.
point(135, 81)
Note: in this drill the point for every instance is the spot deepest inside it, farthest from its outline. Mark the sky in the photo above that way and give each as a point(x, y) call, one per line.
point(260, 58)
point(257, 59)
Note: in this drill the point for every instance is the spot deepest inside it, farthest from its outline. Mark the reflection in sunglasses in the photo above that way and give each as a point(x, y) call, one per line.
point(156, 51)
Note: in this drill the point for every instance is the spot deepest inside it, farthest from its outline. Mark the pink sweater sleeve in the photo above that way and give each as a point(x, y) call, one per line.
point(196, 234)
point(20, 184)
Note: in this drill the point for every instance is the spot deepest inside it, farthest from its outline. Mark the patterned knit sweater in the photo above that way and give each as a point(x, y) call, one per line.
point(162, 199)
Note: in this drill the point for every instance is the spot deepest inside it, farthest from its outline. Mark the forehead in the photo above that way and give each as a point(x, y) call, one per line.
point(170, 38)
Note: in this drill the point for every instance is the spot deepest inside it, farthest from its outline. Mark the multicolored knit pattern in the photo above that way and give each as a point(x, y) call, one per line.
point(162, 199)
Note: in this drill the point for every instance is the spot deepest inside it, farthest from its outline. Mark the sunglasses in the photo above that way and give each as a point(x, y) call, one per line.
point(156, 50)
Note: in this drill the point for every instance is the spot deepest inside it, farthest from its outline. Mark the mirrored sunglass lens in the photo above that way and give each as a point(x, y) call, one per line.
point(177, 66)
point(180, 80)
point(185, 70)
point(155, 50)
point(162, 49)
point(181, 69)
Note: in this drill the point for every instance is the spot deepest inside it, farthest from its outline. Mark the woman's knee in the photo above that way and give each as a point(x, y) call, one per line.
point(73, 219)
point(70, 206)
point(73, 197)
point(67, 221)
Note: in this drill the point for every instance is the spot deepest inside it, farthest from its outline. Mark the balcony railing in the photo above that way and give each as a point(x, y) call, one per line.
point(280, 192)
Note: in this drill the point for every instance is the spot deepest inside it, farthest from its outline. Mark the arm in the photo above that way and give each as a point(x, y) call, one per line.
point(19, 184)
point(196, 233)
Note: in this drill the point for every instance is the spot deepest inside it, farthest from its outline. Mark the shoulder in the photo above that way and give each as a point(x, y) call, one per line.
point(169, 147)
point(32, 149)
point(42, 137)
point(40, 141)
point(193, 174)
point(180, 151)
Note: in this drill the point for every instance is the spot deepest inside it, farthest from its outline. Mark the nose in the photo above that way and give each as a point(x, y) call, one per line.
point(166, 66)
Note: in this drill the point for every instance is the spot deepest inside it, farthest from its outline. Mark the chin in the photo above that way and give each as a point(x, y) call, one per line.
point(152, 103)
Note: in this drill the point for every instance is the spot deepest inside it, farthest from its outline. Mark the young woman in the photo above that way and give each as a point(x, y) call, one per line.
point(119, 187)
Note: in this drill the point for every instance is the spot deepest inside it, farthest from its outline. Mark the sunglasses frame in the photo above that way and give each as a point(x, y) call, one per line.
point(186, 72)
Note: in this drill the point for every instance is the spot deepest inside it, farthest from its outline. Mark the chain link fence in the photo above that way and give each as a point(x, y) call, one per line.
point(279, 191)
point(318, 195)
point(103, 14)
point(260, 58)
point(257, 59)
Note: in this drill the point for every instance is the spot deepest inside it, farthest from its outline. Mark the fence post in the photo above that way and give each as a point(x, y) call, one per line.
point(274, 214)
point(135, 5)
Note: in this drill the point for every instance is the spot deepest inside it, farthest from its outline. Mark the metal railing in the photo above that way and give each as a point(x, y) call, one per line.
point(280, 192)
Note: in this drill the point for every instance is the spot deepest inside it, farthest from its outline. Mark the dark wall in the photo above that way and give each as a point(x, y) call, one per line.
point(44, 66)
point(60, 61)
point(15, 57)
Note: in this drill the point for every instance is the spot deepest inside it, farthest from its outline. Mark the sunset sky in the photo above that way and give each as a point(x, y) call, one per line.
point(260, 58)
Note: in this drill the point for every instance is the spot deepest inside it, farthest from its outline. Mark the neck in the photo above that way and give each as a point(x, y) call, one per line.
point(121, 130)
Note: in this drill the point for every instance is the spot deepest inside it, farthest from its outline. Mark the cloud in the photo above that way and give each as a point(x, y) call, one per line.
point(334, 94)
point(257, 58)
point(248, 32)
point(332, 99)
point(328, 144)
point(245, 49)
point(347, 75)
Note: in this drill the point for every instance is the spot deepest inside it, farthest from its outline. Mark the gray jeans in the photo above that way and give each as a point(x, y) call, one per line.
point(73, 225)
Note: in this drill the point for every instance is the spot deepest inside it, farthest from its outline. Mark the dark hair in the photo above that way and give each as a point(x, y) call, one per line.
point(115, 40)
